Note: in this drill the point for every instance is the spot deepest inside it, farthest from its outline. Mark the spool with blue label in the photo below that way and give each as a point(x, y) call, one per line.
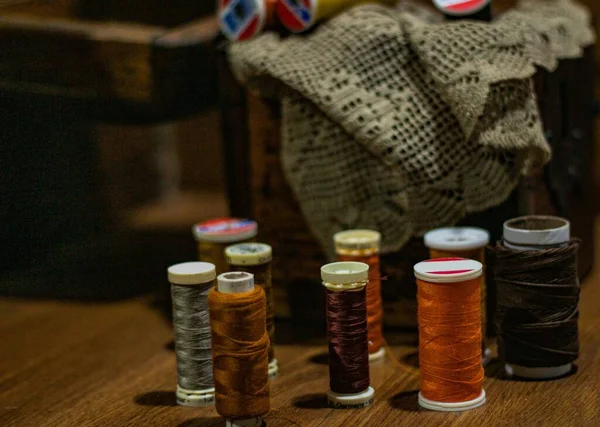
point(243, 19)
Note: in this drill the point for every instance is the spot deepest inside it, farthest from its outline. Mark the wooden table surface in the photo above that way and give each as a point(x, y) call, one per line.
point(70, 364)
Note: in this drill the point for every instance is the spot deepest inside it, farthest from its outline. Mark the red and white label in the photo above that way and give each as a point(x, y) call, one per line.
point(460, 7)
point(448, 268)
point(225, 227)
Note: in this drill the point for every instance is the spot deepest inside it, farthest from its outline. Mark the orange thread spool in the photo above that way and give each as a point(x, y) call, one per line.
point(240, 349)
point(450, 334)
point(363, 246)
point(469, 243)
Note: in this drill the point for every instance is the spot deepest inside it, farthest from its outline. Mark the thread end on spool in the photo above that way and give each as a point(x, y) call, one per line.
point(351, 400)
point(538, 373)
point(195, 398)
point(273, 369)
point(377, 356)
point(452, 407)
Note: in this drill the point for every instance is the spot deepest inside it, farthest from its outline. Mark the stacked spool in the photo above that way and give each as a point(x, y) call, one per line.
point(345, 292)
point(463, 242)
point(538, 296)
point(363, 246)
point(255, 258)
point(240, 350)
point(190, 285)
point(450, 334)
point(215, 235)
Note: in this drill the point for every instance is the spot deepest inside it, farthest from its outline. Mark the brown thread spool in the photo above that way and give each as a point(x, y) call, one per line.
point(469, 243)
point(450, 334)
point(255, 258)
point(348, 358)
point(214, 235)
point(363, 246)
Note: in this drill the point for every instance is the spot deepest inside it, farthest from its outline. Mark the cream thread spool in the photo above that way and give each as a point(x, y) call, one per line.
point(191, 275)
point(215, 235)
point(238, 283)
point(448, 271)
point(347, 277)
point(363, 244)
point(534, 233)
point(255, 258)
point(463, 242)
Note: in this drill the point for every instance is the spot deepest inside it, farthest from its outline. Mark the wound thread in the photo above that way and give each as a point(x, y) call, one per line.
point(347, 335)
point(537, 313)
point(240, 353)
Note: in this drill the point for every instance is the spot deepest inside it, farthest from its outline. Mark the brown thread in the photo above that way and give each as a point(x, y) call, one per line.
point(537, 313)
point(240, 353)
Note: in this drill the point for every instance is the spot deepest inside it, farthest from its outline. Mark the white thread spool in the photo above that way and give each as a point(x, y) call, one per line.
point(347, 277)
point(238, 283)
point(530, 233)
point(193, 274)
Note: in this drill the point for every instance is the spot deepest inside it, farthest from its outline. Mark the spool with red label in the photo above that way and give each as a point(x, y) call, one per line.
point(243, 19)
point(479, 10)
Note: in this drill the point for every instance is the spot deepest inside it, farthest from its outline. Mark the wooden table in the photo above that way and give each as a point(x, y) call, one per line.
point(69, 364)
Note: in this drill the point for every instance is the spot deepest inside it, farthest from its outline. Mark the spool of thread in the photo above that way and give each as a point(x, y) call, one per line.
point(243, 19)
point(449, 312)
point(538, 296)
point(463, 242)
point(363, 246)
point(300, 15)
point(240, 349)
point(477, 10)
point(190, 285)
point(345, 293)
point(215, 235)
point(255, 258)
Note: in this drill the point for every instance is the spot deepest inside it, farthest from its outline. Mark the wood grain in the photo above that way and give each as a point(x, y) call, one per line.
point(79, 365)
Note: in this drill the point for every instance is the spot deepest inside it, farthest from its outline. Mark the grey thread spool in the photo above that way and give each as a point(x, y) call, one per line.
point(190, 285)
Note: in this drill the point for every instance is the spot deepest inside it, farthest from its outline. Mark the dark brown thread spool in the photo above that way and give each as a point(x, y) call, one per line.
point(345, 284)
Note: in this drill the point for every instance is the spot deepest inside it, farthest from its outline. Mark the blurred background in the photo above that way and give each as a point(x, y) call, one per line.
point(110, 143)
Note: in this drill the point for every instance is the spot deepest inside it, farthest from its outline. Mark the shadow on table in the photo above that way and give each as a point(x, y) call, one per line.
point(156, 398)
point(311, 401)
point(406, 401)
point(495, 369)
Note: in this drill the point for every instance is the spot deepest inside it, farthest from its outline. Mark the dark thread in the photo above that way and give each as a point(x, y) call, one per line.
point(537, 313)
point(348, 344)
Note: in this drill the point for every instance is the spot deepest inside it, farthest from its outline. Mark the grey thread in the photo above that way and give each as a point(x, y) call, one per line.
point(191, 324)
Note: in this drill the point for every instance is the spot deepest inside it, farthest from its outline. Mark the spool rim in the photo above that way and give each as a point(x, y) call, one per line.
point(351, 400)
point(448, 270)
point(195, 398)
point(225, 230)
point(537, 230)
point(378, 355)
point(452, 406)
point(191, 273)
point(357, 239)
point(457, 238)
point(341, 273)
point(542, 373)
point(235, 282)
point(249, 254)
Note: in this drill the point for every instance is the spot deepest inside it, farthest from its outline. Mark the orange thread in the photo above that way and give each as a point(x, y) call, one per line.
point(374, 307)
point(450, 340)
point(270, 6)
point(477, 255)
point(240, 353)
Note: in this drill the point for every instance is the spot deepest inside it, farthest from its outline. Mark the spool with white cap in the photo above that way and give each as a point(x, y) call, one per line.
point(463, 242)
point(530, 233)
point(448, 271)
point(192, 274)
point(255, 258)
point(348, 277)
point(238, 283)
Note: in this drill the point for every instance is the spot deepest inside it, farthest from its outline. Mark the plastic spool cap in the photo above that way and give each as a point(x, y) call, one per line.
point(448, 270)
point(357, 239)
point(242, 19)
point(236, 282)
point(457, 238)
point(249, 254)
point(460, 7)
point(273, 369)
point(195, 398)
point(225, 230)
point(297, 15)
point(351, 400)
point(452, 407)
point(191, 273)
point(341, 273)
point(531, 232)
point(378, 355)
